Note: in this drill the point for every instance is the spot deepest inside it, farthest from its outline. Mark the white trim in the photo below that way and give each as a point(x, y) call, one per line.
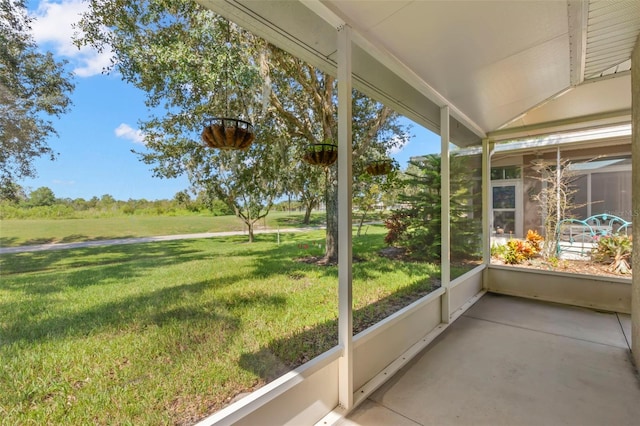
point(487, 152)
point(518, 209)
point(557, 128)
point(271, 391)
point(578, 19)
point(464, 277)
point(345, 231)
point(445, 214)
point(392, 319)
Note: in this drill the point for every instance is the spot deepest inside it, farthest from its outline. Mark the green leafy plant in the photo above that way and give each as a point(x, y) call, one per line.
point(616, 250)
point(553, 261)
point(498, 250)
point(417, 225)
point(516, 251)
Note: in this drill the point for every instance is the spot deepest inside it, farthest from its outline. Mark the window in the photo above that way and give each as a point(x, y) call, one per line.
point(506, 207)
point(502, 173)
point(603, 186)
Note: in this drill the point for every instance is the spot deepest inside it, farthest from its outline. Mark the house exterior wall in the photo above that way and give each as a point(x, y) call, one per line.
point(531, 184)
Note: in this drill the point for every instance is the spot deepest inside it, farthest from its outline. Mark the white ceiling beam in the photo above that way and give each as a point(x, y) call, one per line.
point(578, 19)
point(593, 121)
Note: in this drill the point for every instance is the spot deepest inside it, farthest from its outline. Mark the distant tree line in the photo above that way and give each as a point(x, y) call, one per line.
point(43, 203)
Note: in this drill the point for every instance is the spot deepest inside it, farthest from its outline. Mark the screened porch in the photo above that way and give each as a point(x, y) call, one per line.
point(495, 345)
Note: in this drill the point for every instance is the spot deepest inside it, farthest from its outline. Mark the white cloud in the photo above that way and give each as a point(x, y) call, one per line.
point(398, 144)
point(94, 63)
point(52, 28)
point(125, 131)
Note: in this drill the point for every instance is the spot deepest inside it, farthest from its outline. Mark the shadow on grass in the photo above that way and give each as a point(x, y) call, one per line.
point(73, 238)
point(8, 241)
point(74, 269)
point(367, 264)
point(283, 355)
point(94, 266)
point(123, 257)
point(295, 220)
point(140, 311)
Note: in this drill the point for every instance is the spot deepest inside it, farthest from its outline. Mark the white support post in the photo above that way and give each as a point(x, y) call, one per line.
point(445, 213)
point(558, 174)
point(635, 199)
point(345, 305)
point(487, 151)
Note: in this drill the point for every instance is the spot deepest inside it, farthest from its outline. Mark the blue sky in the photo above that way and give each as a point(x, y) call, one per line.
point(97, 135)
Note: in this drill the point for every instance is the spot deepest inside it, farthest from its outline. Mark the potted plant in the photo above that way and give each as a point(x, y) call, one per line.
point(380, 167)
point(321, 154)
point(228, 133)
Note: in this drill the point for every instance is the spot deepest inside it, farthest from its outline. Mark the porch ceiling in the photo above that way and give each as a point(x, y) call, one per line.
point(506, 69)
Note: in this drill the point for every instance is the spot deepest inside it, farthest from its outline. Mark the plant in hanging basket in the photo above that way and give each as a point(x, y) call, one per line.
point(321, 154)
point(379, 167)
point(228, 133)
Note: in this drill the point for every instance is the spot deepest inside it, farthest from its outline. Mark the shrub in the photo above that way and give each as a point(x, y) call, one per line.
point(417, 225)
point(498, 250)
point(516, 251)
point(535, 240)
point(396, 225)
point(616, 250)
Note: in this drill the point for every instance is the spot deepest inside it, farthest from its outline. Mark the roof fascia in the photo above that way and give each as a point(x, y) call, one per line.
point(566, 125)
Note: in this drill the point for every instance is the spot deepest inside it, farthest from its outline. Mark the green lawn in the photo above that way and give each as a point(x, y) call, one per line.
point(16, 232)
point(164, 333)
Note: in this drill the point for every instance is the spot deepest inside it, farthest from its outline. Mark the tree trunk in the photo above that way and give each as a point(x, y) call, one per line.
point(307, 212)
point(250, 227)
point(331, 252)
point(364, 214)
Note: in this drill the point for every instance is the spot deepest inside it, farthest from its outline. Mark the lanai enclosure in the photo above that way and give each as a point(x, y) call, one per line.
point(478, 74)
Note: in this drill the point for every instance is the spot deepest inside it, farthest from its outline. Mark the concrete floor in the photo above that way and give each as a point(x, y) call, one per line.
point(513, 361)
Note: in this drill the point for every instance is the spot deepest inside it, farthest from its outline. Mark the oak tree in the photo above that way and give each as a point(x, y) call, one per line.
point(193, 64)
point(34, 88)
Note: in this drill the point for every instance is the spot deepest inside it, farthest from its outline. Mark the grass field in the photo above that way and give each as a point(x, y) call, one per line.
point(44, 231)
point(164, 333)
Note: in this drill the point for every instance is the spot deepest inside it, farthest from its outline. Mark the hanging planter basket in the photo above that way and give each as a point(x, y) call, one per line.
point(321, 154)
point(228, 133)
point(379, 167)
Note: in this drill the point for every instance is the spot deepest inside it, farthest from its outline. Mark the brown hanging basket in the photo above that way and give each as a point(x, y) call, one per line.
point(379, 167)
point(228, 133)
point(321, 154)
